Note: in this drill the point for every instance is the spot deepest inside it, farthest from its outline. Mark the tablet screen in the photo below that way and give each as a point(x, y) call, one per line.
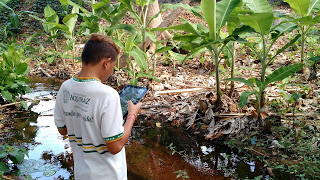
point(133, 93)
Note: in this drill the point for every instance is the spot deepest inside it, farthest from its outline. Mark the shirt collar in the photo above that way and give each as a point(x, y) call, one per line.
point(85, 79)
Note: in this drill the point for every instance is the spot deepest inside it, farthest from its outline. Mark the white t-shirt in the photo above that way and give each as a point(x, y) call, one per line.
point(91, 112)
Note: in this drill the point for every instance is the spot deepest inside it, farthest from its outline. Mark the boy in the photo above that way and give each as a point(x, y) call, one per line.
point(89, 112)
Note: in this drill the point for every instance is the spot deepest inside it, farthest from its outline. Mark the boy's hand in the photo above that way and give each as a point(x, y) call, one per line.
point(134, 108)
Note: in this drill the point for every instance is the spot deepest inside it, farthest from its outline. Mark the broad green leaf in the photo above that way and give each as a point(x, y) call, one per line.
point(118, 43)
point(315, 59)
point(258, 6)
point(185, 38)
point(184, 27)
point(247, 82)
point(141, 3)
point(6, 95)
point(233, 23)
point(3, 167)
point(99, 5)
point(129, 43)
point(56, 26)
point(224, 10)
point(143, 74)
point(307, 20)
point(314, 7)
point(50, 59)
point(177, 56)
point(69, 2)
point(208, 8)
point(164, 49)
point(134, 81)
point(50, 15)
point(300, 6)
point(130, 29)
point(138, 55)
point(3, 154)
point(70, 21)
point(64, 2)
point(24, 105)
point(14, 20)
point(282, 73)
point(283, 28)
point(22, 68)
point(260, 22)
point(244, 98)
point(17, 155)
point(128, 4)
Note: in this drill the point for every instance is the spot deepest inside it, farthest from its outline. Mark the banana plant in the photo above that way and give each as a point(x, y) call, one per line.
point(13, 17)
point(216, 15)
point(141, 17)
point(50, 16)
point(131, 50)
point(260, 20)
point(306, 20)
point(68, 28)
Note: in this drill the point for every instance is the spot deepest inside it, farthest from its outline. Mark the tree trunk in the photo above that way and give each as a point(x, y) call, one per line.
point(159, 23)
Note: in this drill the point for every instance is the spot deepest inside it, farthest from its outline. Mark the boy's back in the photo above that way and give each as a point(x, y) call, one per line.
point(91, 112)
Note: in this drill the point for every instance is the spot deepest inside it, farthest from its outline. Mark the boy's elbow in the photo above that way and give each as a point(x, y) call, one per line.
point(114, 148)
point(63, 131)
point(114, 152)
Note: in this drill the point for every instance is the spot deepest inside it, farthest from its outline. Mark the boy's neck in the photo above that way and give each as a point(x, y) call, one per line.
point(89, 72)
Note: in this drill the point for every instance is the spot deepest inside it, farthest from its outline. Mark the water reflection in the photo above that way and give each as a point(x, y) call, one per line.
point(148, 155)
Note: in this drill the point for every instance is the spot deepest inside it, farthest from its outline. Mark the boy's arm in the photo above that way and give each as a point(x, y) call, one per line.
point(63, 131)
point(116, 146)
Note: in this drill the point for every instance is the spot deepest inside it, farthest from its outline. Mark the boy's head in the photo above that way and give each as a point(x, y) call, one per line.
point(98, 47)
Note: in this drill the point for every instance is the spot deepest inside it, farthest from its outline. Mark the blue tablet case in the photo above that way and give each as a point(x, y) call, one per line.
point(133, 93)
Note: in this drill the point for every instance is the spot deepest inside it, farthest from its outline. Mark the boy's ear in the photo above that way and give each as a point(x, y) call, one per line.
point(106, 61)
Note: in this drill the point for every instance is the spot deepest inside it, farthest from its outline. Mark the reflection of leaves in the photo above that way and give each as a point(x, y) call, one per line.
point(49, 173)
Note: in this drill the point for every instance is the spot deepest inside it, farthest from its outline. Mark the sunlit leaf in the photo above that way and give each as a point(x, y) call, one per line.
point(6, 95)
point(244, 97)
point(282, 73)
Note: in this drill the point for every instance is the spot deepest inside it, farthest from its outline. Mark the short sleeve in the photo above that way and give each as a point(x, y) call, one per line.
point(58, 112)
point(112, 121)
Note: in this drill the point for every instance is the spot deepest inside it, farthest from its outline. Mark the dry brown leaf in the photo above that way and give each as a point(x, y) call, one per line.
point(212, 137)
point(176, 123)
point(255, 114)
point(264, 115)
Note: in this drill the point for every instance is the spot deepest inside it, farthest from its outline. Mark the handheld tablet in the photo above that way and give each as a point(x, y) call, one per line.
point(133, 93)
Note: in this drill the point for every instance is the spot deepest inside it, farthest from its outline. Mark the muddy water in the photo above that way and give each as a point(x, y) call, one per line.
point(149, 153)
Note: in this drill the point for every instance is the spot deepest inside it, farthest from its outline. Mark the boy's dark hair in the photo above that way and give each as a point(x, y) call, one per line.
point(98, 47)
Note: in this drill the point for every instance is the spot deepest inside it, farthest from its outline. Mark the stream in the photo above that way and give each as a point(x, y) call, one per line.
point(152, 153)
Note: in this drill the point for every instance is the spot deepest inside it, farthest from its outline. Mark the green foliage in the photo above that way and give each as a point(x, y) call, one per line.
point(13, 73)
point(182, 174)
point(216, 16)
point(301, 148)
point(9, 18)
point(306, 19)
point(7, 152)
point(258, 90)
point(260, 20)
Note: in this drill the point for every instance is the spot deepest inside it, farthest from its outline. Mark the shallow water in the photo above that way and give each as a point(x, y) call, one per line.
point(149, 155)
